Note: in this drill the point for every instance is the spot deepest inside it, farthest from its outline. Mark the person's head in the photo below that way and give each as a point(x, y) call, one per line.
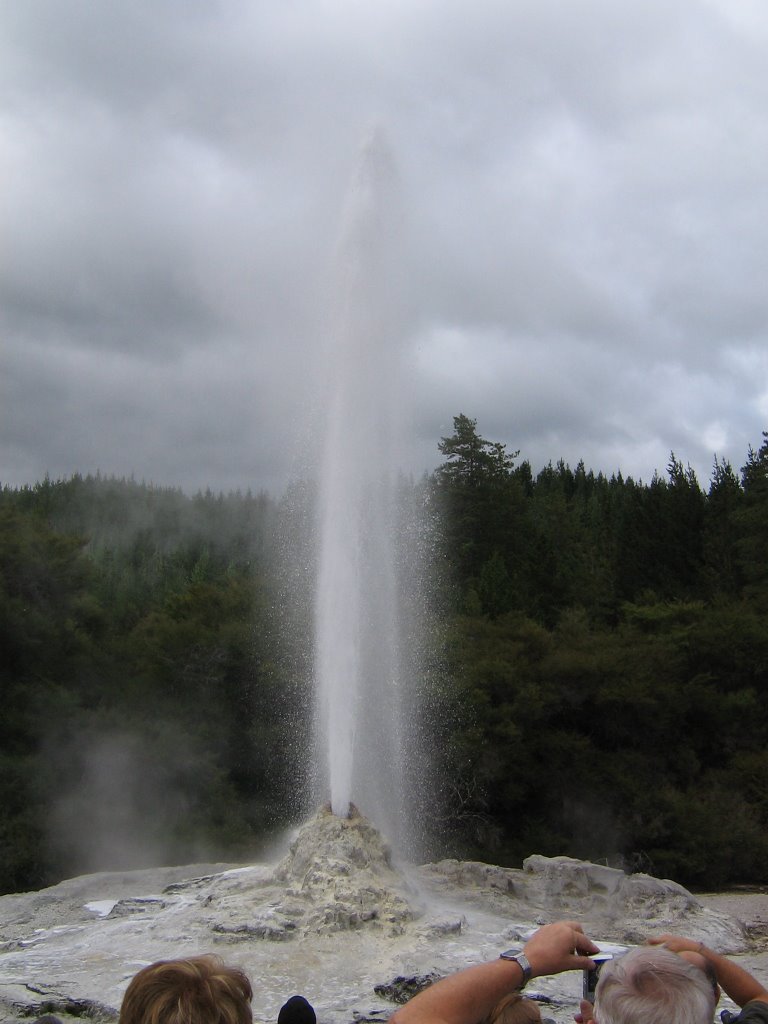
point(653, 985)
point(515, 1009)
point(297, 1010)
point(199, 990)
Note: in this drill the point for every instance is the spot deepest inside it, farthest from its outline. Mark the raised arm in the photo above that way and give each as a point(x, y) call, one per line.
point(732, 979)
point(471, 994)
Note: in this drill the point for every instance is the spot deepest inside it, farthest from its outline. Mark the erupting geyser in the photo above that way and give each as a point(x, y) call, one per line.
point(357, 647)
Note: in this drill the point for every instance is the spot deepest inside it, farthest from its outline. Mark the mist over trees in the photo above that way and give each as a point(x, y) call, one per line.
point(148, 709)
point(596, 671)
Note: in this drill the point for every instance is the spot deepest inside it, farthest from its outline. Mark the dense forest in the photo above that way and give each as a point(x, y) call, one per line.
point(596, 670)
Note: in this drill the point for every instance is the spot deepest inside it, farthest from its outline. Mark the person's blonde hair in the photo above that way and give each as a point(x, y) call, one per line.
point(653, 986)
point(514, 1009)
point(198, 990)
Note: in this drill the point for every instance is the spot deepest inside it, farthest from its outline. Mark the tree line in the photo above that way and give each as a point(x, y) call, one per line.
point(595, 673)
point(607, 647)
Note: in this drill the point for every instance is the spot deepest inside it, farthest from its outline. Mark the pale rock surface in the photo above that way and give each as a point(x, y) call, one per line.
point(332, 920)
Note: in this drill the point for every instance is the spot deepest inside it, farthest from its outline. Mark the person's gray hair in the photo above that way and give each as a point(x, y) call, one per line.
point(653, 985)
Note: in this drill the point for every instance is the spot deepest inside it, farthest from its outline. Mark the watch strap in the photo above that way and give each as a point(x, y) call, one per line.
point(521, 960)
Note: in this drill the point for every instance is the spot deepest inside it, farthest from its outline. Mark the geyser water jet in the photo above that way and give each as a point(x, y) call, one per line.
point(358, 668)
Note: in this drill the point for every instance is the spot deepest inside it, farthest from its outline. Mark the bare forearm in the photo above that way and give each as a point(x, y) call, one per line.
point(470, 995)
point(463, 998)
point(732, 979)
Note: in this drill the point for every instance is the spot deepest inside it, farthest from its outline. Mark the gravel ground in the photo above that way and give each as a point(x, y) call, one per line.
point(750, 906)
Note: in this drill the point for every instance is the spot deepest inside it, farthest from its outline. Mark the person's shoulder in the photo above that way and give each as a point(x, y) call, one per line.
point(753, 1012)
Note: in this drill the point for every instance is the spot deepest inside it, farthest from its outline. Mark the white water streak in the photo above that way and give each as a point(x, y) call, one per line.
point(357, 664)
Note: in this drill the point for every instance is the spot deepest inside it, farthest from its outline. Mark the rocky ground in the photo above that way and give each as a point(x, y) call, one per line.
point(748, 905)
point(336, 920)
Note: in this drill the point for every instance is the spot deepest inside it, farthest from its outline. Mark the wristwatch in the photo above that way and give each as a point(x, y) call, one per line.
point(521, 960)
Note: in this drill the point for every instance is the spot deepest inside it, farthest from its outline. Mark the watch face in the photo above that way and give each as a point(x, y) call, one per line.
point(522, 962)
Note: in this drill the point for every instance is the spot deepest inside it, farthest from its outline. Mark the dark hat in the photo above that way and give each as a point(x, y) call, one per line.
point(296, 1011)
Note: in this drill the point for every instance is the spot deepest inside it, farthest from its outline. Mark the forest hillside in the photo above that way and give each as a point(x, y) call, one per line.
point(596, 671)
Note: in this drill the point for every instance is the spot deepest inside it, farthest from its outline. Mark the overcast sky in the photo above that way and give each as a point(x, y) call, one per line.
point(585, 187)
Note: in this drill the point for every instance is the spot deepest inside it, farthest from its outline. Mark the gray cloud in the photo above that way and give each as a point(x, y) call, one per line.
point(584, 185)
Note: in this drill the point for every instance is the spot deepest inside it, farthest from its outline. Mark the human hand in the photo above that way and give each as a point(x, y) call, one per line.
point(586, 1014)
point(676, 943)
point(558, 947)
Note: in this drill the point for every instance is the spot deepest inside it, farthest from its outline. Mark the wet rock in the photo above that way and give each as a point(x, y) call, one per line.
point(50, 1003)
point(272, 930)
point(353, 886)
point(352, 843)
point(465, 873)
point(139, 905)
point(568, 878)
point(401, 989)
point(435, 929)
point(331, 919)
point(611, 904)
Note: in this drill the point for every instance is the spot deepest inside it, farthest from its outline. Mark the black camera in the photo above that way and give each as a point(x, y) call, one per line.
point(591, 976)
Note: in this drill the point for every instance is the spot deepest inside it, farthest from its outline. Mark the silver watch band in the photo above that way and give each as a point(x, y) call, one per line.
point(521, 960)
